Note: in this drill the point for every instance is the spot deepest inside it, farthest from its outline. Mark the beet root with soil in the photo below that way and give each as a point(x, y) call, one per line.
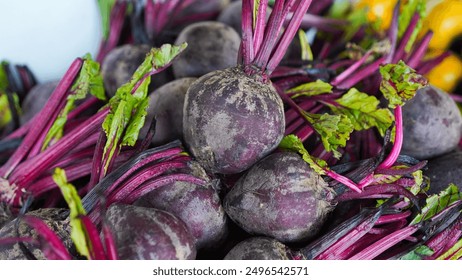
point(280, 197)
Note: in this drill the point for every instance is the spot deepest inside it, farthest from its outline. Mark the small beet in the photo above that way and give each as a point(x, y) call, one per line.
point(260, 248)
point(142, 233)
point(280, 197)
point(444, 170)
point(211, 46)
point(198, 206)
point(36, 99)
point(432, 124)
point(120, 64)
point(166, 106)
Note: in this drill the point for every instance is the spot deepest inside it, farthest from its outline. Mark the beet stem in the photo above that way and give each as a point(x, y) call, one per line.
point(385, 243)
point(275, 22)
point(137, 179)
point(398, 143)
point(42, 120)
point(247, 48)
point(57, 248)
point(288, 36)
point(42, 161)
point(162, 181)
point(400, 51)
point(393, 34)
point(260, 25)
point(127, 169)
point(109, 242)
point(349, 239)
point(97, 250)
point(362, 74)
point(418, 54)
point(327, 240)
point(350, 70)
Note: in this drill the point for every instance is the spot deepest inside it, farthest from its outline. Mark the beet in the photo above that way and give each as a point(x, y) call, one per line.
point(149, 234)
point(234, 117)
point(211, 46)
point(198, 206)
point(432, 124)
point(260, 248)
point(280, 197)
point(444, 170)
point(166, 105)
point(55, 218)
point(120, 64)
point(232, 120)
point(36, 99)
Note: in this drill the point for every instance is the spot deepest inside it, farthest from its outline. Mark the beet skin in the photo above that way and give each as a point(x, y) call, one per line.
point(231, 120)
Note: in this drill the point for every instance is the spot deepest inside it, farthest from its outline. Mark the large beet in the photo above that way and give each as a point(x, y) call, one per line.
point(260, 248)
point(280, 197)
point(56, 219)
point(149, 234)
point(231, 120)
point(432, 124)
point(198, 206)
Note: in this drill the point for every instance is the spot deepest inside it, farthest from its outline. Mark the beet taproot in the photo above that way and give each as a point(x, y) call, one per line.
point(280, 197)
point(432, 124)
point(142, 233)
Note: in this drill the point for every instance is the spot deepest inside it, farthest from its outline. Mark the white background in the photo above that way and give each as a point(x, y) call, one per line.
point(48, 35)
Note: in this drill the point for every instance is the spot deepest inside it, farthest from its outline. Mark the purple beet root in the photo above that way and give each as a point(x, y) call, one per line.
point(166, 106)
point(149, 234)
point(280, 197)
point(432, 124)
point(55, 218)
point(260, 248)
point(444, 170)
point(211, 46)
point(198, 206)
point(231, 120)
point(120, 64)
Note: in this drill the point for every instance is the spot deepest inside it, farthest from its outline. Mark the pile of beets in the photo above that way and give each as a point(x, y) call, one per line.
point(287, 129)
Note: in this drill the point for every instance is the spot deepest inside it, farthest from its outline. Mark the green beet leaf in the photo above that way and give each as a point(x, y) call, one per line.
point(128, 108)
point(90, 81)
point(363, 111)
point(294, 144)
point(400, 83)
point(334, 130)
point(418, 253)
point(105, 8)
point(437, 203)
point(78, 232)
point(311, 89)
point(307, 53)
